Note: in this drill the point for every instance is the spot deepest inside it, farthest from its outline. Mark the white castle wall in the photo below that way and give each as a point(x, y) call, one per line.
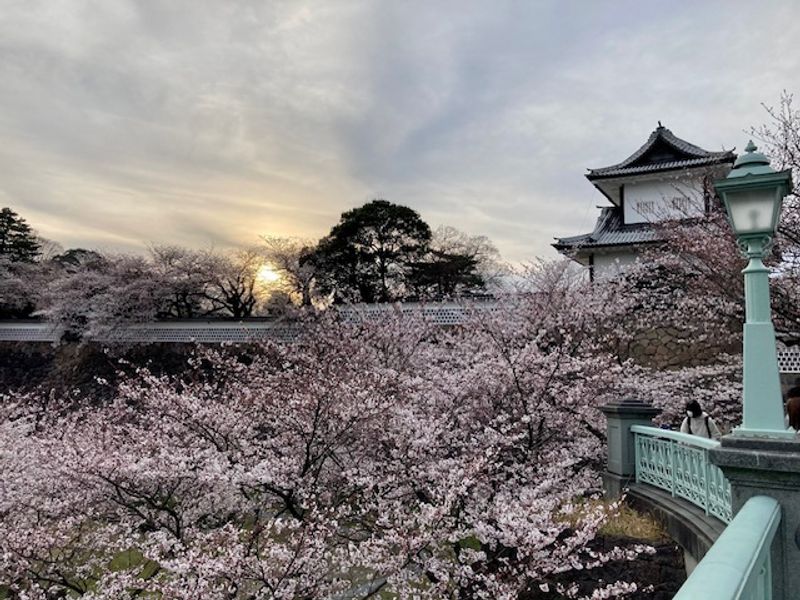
point(658, 200)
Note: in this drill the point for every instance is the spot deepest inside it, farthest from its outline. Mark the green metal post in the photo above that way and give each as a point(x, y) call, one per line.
point(762, 404)
point(753, 193)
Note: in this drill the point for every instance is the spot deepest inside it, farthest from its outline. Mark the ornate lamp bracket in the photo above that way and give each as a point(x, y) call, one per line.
point(757, 246)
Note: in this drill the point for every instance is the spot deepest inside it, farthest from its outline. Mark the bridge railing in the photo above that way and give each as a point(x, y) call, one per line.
point(678, 463)
point(738, 565)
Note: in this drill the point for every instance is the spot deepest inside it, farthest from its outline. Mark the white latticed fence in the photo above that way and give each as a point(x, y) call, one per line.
point(789, 361)
point(209, 332)
point(249, 330)
point(28, 331)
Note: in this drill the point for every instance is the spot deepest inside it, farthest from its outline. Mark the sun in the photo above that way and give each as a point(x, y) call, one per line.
point(266, 274)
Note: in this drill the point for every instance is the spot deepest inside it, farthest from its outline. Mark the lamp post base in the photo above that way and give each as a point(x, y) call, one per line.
point(761, 467)
point(786, 434)
point(762, 404)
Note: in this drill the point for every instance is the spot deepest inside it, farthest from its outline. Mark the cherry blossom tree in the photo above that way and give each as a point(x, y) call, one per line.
point(665, 296)
point(185, 276)
point(92, 300)
point(21, 284)
point(394, 456)
point(92, 295)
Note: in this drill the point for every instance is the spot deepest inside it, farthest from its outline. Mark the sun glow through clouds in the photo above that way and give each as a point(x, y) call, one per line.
point(266, 274)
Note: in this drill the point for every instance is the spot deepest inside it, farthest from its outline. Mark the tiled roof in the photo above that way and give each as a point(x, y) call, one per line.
point(664, 166)
point(610, 231)
point(663, 151)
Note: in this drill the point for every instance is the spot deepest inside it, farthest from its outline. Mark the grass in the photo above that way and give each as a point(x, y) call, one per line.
point(625, 522)
point(629, 523)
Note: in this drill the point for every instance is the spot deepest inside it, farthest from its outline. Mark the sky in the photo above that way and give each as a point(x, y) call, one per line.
point(204, 123)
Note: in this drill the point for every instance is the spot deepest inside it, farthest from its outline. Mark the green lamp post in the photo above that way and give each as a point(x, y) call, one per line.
point(753, 193)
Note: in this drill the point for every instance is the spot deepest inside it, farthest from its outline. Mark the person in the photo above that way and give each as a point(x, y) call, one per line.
point(699, 423)
point(793, 408)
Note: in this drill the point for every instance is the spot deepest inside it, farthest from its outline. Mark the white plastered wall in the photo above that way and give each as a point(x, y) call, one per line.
point(611, 263)
point(658, 200)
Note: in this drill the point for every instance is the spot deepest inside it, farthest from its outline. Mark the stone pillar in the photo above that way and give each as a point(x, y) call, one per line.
point(621, 416)
point(768, 467)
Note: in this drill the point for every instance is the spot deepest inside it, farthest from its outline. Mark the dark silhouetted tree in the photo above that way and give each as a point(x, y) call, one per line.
point(368, 255)
point(18, 242)
point(443, 274)
point(457, 264)
point(232, 286)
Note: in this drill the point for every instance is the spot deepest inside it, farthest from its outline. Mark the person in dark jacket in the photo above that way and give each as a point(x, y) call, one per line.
point(699, 423)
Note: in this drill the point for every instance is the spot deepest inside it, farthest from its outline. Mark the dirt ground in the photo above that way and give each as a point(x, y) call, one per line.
point(663, 572)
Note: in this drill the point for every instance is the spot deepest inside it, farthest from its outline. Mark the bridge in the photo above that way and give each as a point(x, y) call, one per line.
point(731, 505)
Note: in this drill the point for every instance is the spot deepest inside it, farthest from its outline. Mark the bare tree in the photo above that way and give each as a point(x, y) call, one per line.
point(48, 249)
point(779, 139)
point(489, 265)
point(290, 258)
point(233, 281)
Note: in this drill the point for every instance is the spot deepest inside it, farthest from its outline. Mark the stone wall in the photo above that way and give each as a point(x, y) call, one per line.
point(670, 348)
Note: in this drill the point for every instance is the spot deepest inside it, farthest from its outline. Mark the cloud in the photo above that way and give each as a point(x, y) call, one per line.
point(126, 123)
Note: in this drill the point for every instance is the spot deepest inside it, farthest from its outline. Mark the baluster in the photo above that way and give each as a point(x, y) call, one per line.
point(671, 447)
point(707, 472)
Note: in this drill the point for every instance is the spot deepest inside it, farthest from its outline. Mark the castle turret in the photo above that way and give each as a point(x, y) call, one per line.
point(667, 178)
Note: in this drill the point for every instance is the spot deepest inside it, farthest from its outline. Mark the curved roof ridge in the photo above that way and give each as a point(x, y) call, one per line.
point(611, 230)
point(691, 151)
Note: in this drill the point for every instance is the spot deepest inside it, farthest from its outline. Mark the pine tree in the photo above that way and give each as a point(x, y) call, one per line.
point(18, 242)
point(367, 256)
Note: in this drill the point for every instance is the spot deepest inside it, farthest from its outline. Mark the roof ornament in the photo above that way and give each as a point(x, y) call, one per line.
point(660, 126)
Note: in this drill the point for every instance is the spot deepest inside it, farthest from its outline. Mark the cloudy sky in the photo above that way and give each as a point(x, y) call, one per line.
point(125, 123)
